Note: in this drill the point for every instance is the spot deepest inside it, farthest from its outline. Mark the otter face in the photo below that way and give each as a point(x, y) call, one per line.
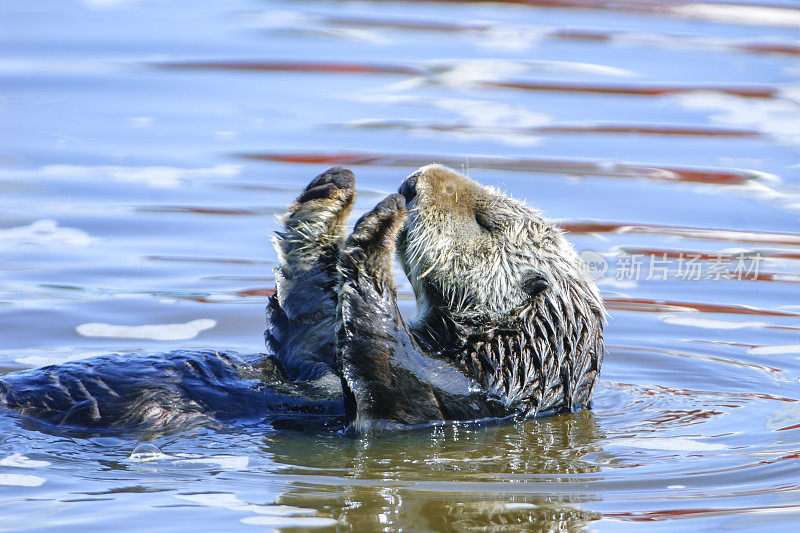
point(475, 253)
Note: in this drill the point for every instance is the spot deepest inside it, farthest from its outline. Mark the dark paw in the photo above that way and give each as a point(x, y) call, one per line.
point(334, 183)
point(379, 227)
point(315, 222)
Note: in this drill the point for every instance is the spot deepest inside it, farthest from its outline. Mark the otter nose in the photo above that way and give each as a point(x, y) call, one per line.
point(409, 187)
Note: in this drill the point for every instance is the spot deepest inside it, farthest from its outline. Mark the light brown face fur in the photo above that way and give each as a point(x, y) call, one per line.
point(469, 250)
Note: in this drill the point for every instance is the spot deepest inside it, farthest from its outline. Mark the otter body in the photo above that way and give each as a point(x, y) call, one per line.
point(508, 325)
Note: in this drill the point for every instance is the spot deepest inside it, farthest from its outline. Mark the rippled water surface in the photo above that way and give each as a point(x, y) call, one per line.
point(146, 147)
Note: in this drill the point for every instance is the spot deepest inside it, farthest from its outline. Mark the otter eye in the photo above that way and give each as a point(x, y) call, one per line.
point(483, 222)
point(535, 284)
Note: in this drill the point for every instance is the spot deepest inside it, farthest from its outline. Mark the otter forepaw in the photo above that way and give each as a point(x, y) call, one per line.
point(337, 184)
point(301, 315)
point(309, 243)
point(377, 230)
point(320, 212)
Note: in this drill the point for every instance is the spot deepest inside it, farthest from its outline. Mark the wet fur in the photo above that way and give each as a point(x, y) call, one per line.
point(295, 386)
point(501, 293)
point(507, 325)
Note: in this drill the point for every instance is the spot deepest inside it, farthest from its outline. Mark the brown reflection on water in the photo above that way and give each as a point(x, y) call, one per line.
point(204, 210)
point(408, 70)
point(595, 128)
point(753, 237)
point(558, 166)
point(256, 292)
point(634, 90)
point(449, 478)
point(679, 418)
point(675, 8)
point(568, 34)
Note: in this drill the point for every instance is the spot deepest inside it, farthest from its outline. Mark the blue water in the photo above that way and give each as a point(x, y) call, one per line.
point(147, 146)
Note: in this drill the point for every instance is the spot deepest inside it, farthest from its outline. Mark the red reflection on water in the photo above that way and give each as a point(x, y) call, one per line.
point(661, 306)
point(683, 416)
point(556, 166)
point(639, 129)
point(660, 390)
point(196, 210)
point(664, 7)
point(568, 34)
point(653, 516)
point(643, 90)
point(759, 237)
point(650, 130)
point(256, 292)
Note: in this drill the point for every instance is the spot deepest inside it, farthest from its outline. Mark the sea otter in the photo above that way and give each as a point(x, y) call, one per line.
point(508, 325)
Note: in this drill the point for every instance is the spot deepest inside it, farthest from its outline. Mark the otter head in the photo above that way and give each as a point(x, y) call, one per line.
point(473, 253)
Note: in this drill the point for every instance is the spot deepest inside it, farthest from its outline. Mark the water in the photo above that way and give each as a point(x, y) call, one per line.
point(147, 146)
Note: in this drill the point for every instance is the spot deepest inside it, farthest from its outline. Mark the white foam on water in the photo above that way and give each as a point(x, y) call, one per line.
point(520, 506)
point(710, 323)
point(482, 113)
point(20, 461)
point(354, 34)
point(776, 117)
point(157, 332)
point(232, 502)
point(228, 462)
point(581, 68)
point(777, 349)
point(485, 120)
point(148, 453)
point(742, 14)
point(55, 359)
point(468, 72)
point(281, 522)
point(21, 480)
point(165, 177)
point(45, 233)
point(679, 444)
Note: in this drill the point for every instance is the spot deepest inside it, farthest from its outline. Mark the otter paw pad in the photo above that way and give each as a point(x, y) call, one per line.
point(335, 183)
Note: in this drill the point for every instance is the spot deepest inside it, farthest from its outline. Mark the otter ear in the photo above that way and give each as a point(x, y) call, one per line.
point(534, 284)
